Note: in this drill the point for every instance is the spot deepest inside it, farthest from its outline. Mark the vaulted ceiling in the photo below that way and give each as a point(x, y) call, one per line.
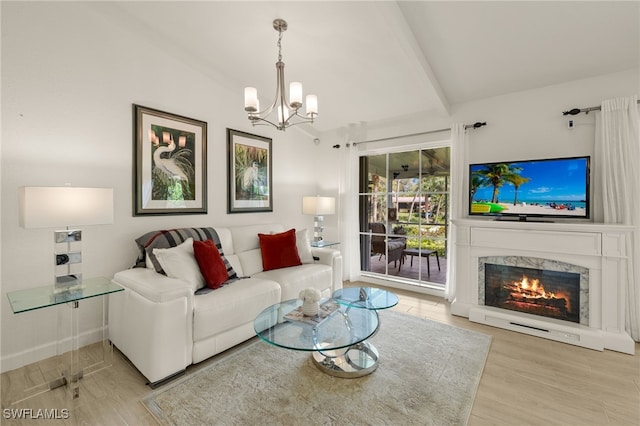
point(370, 61)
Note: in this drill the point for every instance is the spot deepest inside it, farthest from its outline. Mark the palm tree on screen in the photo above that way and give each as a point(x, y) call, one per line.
point(477, 182)
point(517, 181)
point(496, 175)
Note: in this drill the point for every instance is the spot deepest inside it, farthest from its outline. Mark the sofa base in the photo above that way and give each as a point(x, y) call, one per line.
point(166, 380)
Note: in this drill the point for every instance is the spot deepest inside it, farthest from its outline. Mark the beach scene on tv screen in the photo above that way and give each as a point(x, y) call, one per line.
point(543, 187)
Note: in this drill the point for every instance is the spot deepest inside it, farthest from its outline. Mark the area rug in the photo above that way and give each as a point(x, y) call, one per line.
point(428, 374)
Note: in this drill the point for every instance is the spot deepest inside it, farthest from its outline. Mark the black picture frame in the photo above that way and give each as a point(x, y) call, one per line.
point(170, 163)
point(249, 173)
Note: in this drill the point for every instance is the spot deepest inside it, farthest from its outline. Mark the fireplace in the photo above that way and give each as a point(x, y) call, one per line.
point(560, 281)
point(552, 294)
point(535, 286)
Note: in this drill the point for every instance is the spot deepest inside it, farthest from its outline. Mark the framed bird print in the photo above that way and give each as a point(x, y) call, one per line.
point(248, 173)
point(170, 163)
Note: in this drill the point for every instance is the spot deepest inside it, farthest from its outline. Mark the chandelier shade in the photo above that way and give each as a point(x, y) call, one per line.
point(287, 109)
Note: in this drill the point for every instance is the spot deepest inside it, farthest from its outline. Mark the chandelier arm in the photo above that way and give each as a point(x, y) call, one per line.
point(257, 121)
point(295, 113)
point(304, 117)
point(264, 122)
point(264, 112)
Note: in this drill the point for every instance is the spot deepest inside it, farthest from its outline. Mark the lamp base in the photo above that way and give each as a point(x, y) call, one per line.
point(68, 260)
point(68, 283)
point(318, 228)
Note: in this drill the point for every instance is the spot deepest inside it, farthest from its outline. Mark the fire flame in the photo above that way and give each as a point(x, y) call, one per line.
point(533, 289)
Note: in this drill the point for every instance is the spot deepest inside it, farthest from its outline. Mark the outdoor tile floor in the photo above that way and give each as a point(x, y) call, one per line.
point(416, 272)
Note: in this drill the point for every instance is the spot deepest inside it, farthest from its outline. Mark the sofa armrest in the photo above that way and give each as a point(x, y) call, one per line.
point(153, 286)
point(332, 258)
point(325, 255)
point(151, 322)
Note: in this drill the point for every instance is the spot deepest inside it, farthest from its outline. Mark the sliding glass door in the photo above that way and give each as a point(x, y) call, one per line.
point(404, 205)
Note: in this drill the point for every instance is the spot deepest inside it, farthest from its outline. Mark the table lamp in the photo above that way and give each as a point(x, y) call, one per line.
point(54, 207)
point(318, 206)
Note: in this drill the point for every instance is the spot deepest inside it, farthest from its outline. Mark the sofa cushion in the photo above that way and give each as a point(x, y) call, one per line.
point(395, 245)
point(226, 241)
point(279, 250)
point(251, 261)
point(180, 263)
point(228, 307)
point(297, 278)
point(246, 237)
point(304, 246)
point(210, 262)
point(169, 238)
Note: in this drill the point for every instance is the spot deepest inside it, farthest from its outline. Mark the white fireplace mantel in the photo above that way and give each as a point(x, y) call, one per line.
point(599, 247)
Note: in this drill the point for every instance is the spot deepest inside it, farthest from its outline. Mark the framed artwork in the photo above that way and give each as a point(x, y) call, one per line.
point(170, 163)
point(248, 173)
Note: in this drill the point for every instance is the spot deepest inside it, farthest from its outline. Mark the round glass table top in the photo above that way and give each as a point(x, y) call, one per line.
point(366, 297)
point(336, 327)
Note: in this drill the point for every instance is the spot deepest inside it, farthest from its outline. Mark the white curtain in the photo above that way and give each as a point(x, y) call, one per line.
point(618, 171)
point(458, 162)
point(350, 234)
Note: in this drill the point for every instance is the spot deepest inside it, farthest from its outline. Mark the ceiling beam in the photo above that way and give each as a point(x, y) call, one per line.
point(407, 40)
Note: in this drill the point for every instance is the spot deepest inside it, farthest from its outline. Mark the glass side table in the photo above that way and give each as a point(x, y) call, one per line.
point(322, 244)
point(42, 297)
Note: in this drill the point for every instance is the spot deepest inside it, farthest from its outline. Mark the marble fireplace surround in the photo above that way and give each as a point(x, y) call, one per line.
point(599, 248)
point(542, 265)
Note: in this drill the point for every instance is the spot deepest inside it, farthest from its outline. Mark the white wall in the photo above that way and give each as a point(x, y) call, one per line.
point(69, 78)
point(520, 126)
point(530, 124)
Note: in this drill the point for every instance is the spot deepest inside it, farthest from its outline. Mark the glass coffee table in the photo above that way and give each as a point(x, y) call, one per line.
point(366, 297)
point(338, 342)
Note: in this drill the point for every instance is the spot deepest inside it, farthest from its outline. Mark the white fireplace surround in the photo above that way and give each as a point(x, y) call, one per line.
point(598, 247)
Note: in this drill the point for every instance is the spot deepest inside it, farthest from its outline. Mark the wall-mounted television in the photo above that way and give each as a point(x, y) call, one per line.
point(545, 188)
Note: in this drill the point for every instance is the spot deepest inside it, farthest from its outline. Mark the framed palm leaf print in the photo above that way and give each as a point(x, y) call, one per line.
point(249, 173)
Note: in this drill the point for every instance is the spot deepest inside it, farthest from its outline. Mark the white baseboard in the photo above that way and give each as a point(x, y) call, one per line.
point(573, 334)
point(48, 350)
point(433, 290)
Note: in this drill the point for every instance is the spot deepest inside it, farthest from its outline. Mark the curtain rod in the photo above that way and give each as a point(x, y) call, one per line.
point(576, 111)
point(475, 125)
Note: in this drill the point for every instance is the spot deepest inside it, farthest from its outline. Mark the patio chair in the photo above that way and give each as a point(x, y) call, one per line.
point(391, 247)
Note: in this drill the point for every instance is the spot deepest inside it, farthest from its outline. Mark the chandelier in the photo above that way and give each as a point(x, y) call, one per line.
point(288, 113)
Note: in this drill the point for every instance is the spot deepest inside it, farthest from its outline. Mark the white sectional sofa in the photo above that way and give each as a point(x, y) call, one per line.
point(162, 325)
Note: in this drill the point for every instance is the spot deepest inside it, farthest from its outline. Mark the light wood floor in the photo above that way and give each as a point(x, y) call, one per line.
point(526, 381)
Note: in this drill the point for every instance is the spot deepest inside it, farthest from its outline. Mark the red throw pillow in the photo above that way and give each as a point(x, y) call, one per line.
point(211, 265)
point(279, 250)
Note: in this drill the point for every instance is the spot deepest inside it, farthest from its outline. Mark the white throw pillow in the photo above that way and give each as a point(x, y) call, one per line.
point(304, 246)
point(179, 262)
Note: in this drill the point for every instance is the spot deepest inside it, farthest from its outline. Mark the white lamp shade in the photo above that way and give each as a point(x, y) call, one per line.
point(312, 105)
point(50, 207)
point(251, 99)
point(295, 93)
point(318, 206)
